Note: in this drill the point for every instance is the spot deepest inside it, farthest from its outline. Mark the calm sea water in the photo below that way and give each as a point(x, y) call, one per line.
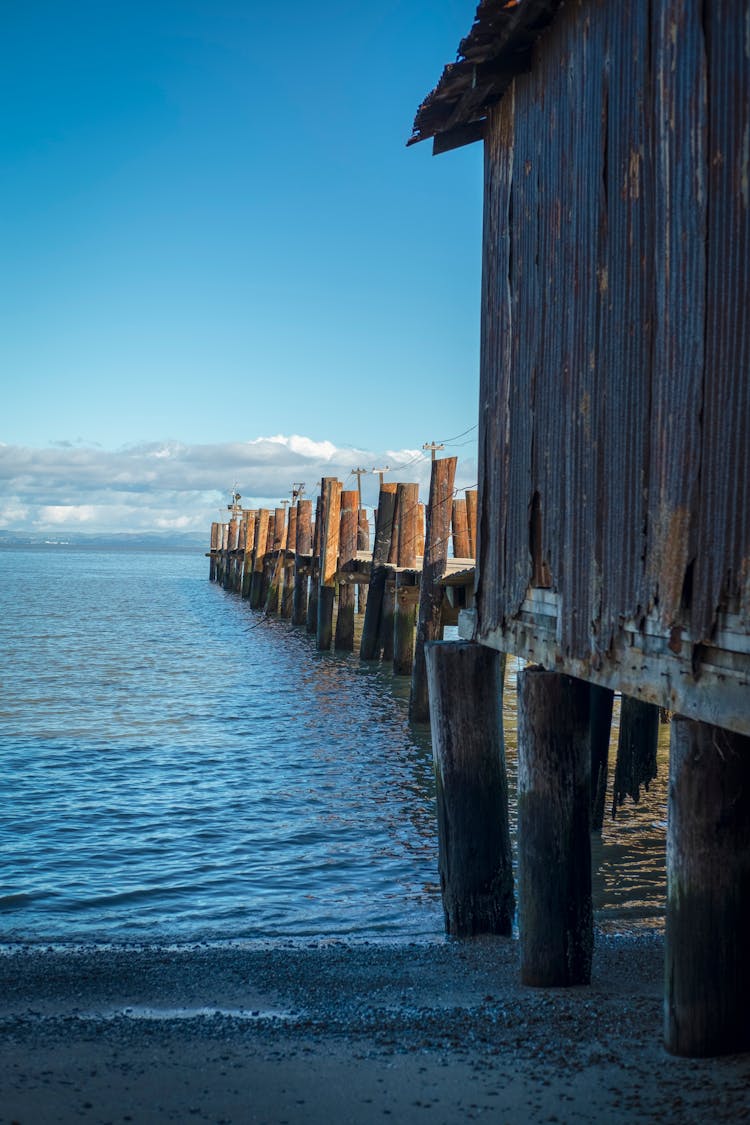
point(172, 769)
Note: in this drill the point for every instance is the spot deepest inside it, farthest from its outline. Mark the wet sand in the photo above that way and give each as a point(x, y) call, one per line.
point(333, 1032)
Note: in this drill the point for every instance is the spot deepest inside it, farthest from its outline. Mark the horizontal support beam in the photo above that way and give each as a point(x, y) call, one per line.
point(639, 664)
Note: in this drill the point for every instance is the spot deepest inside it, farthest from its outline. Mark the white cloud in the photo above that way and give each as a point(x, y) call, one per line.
point(65, 514)
point(169, 485)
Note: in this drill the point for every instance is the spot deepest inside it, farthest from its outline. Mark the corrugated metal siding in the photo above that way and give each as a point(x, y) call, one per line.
point(615, 345)
point(723, 531)
point(680, 275)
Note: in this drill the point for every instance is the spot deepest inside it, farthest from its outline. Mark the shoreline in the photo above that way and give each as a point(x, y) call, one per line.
point(337, 1031)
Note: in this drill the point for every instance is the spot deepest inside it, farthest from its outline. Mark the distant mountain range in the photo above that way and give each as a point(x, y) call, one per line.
point(161, 540)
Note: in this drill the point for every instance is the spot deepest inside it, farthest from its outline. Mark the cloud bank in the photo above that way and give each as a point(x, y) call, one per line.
point(169, 486)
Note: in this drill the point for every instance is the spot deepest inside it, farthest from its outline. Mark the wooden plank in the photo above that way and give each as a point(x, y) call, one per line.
point(715, 694)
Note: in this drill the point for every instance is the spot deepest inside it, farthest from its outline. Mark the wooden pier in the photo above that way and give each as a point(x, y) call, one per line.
point(315, 573)
point(613, 518)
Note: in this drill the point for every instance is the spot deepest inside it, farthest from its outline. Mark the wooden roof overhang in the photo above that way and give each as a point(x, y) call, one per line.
point(497, 48)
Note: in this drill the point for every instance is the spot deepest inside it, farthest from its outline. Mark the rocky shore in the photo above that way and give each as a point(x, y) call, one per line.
point(335, 1032)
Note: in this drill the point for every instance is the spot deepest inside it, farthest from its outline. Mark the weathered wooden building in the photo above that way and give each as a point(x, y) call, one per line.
point(614, 449)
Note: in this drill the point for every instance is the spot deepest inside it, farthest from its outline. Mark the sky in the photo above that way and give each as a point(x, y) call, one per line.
point(220, 263)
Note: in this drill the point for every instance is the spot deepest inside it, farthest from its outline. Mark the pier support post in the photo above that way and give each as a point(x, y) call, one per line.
point(247, 562)
point(387, 615)
point(215, 546)
point(636, 749)
point(259, 558)
point(476, 874)
point(404, 622)
point(230, 545)
point(554, 845)
point(221, 565)
point(707, 979)
point(239, 562)
point(369, 648)
point(460, 530)
point(329, 550)
point(311, 620)
point(303, 547)
point(472, 503)
point(600, 727)
point(429, 626)
point(290, 546)
point(405, 605)
point(275, 561)
point(363, 544)
point(348, 527)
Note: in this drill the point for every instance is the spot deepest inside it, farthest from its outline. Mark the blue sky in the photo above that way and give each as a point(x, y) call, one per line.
point(212, 233)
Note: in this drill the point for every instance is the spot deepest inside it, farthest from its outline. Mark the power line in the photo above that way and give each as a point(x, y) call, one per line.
point(465, 432)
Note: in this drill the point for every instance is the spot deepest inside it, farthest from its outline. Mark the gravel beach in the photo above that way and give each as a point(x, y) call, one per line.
point(344, 1032)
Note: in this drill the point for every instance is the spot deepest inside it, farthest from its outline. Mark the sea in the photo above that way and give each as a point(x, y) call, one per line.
point(177, 768)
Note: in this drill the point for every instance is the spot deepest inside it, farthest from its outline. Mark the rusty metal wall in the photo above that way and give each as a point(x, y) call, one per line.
point(615, 365)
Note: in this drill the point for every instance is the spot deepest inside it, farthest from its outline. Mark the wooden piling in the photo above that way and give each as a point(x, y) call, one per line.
point(230, 546)
point(387, 617)
point(429, 627)
point(348, 528)
point(707, 997)
point(247, 565)
point(215, 546)
point(259, 557)
point(222, 559)
point(388, 608)
point(329, 549)
point(275, 561)
point(369, 647)
point(239, 562)
point(472, 496)
point(406, 590)
point(600, 725)
point(460, 530)
point(363, 544)
point(476, 875)
point(303, 547)
point(404, 622)
point(554, 845)
point(636, 749)
point(290, 541)
point(311, 619)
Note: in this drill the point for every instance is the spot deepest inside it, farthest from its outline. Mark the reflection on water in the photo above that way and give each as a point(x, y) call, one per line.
point(172, 771)
point(629, 858)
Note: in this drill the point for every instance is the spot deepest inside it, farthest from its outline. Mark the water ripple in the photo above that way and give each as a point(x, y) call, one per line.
point(171, 772)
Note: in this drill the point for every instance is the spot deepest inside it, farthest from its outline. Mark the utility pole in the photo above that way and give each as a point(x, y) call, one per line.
point(358, 474)
point(434, 446)
point(298, 488)
point(380, 472)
